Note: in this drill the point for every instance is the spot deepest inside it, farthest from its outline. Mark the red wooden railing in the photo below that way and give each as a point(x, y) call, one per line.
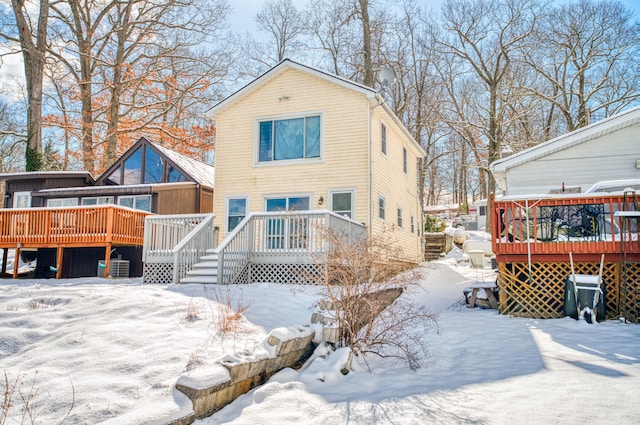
point(74, 226)
point(554, 226)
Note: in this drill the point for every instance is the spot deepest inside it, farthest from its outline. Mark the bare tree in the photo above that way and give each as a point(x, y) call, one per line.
point(587, 53)
point(486, 34)
point(363, 285)
point(332, 35)
point(417, 93)
point(282, 22)
point(136, 64)
point(32, 38)
point(82, 23)
point(12, 133)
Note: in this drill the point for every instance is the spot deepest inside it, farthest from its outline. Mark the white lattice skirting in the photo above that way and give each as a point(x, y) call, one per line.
point(292, 274)
point(287, 274)
point(158, 273)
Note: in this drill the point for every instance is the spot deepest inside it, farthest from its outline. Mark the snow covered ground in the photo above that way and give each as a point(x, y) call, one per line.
point(114, 349)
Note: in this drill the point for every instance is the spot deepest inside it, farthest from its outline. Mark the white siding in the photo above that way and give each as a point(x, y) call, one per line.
point(610, 157)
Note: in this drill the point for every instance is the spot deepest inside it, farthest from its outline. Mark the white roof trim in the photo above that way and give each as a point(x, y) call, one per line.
point(609, 125)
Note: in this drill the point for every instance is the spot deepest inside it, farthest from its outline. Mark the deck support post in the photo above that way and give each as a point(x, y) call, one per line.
point(107, 260)
point(16, 263)
point(5, 252)
point(59, 255)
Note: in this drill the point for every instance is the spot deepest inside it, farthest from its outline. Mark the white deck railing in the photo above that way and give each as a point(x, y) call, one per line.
point(262, 237)
point(279, 237)
point(179, 240)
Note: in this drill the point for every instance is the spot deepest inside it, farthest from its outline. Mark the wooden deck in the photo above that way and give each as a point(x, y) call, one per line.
point(95, 226)
point(533, 236)
point(547, 228)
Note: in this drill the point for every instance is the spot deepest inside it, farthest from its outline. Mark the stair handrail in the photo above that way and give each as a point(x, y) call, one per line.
point(193, 246)
point(236, 240)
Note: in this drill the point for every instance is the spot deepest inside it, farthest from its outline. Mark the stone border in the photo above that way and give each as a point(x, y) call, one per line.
point(245, 374)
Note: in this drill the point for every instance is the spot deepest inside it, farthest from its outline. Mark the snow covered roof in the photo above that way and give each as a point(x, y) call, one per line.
point(201, 172)
point(598, 129)
point(45, 174)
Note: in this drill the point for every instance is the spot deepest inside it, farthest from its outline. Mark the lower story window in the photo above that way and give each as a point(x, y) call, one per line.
point(381, 207)
point(139, 202)
point(62, 202)
point(400, 217)
point(98, 200)
point(236, 212)
point(342, 203)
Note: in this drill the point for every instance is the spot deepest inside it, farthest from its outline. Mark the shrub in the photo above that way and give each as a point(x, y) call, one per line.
point(363, 281)
point(433, 224)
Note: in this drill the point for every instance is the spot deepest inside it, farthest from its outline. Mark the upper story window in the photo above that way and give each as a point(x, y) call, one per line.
point(383, 139)
point(289, 139)
point(400, 217)
point(145, 165)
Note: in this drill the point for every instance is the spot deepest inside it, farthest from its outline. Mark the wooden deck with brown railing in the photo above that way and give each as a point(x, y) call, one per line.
point(551, 227)
point(533, 236)
point(82, 226)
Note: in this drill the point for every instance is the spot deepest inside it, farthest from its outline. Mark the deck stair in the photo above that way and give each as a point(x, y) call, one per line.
point(205, 271)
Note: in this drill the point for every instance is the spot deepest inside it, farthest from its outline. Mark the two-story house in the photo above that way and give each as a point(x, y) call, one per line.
point(298, 138)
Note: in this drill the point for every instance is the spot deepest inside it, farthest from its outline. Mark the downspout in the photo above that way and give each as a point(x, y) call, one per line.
point(198, 197)
point(380, 101)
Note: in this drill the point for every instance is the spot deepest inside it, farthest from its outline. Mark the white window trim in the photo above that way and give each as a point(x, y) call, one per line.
point(256, 139)
point(385, 208)
point(134, 200)
point(352, 191)
point(400, 217)
point(226, 209)
point(413, 224)
point(18, 195)
point(62, 199)
point(112, 198)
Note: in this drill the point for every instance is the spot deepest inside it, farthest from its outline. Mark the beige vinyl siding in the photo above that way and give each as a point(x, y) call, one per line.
point(344, 133)
point(399, 189)
point(347, 118)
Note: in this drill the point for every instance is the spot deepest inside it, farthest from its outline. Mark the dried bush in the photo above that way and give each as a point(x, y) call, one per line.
point(363, 280)
point(20, 400)
point(227, 310)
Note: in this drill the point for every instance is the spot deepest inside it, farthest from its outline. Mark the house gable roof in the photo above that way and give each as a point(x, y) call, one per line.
point(277, 70)
point(196, 171)
point(286, 64)
point(598, 129)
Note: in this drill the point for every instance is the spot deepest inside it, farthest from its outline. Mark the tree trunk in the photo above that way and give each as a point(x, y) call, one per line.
point(34, 54)
point(366, 43)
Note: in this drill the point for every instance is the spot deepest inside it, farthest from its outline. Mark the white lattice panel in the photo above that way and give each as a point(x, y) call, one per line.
point(158, 273)
point(295, 274)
